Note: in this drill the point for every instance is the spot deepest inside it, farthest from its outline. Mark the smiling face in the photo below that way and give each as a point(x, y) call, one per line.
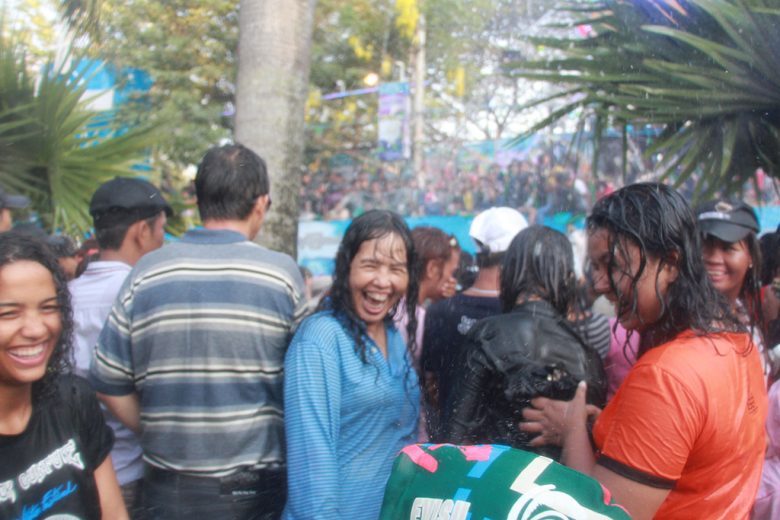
point(727, 265)
point(30, 322)
point(637, 306)
point(378, 278)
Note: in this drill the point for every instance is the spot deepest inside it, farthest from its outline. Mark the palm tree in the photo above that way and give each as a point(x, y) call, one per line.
point(705, 72)
point(273, 72)
point(81, 16)
point(54, 148)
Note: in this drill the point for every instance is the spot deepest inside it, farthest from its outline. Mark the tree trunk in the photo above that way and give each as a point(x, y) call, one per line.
point(273, 77)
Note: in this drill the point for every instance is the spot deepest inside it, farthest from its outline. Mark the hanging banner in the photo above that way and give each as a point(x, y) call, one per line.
point(393, 124)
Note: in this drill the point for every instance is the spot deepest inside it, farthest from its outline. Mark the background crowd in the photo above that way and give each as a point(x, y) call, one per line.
point(541, 185)
point(229, 393)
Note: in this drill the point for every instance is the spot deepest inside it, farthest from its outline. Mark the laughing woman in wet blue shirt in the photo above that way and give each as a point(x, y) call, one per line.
point(351, 395)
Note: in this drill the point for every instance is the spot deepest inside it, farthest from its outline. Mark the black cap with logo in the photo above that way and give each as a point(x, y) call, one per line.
point(127, 196)
point(728, 221)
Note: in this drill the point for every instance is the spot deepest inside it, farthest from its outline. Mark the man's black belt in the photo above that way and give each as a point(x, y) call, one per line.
point(245, 481)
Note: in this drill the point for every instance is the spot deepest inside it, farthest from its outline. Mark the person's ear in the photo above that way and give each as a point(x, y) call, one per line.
point(145, 235)
point(135, 232)
point(670, 265)
point(262, 204)
point(433, 269)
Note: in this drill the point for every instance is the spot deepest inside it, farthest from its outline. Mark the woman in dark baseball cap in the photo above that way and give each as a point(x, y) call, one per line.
point(732, 257)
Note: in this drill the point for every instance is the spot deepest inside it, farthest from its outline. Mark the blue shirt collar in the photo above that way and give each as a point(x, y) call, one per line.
point(213, 236)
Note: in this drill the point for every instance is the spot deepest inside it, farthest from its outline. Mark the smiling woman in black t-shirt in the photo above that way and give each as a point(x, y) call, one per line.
point(54, 443)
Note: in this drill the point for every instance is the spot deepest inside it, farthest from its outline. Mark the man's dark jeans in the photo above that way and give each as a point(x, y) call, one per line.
point(248, 495)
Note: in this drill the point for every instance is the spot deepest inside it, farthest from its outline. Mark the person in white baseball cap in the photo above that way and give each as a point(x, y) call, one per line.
point(447, 321)
point(494, 229)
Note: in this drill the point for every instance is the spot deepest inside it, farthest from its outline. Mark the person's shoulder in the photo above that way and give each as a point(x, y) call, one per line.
point(321, 331)
point(153, 259)
point(689, 344)
point(690, 353)
point(322, 324)
point(440, 306)
point(71, 384)
point(102, 275)
point(268, 258)
point(74, 392)
point(461, 303)
point(491, 327)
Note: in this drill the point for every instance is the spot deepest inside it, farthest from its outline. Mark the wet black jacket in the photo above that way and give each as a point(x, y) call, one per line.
point(509, 359)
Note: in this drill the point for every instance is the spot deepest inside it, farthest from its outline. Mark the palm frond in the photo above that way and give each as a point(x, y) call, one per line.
point(82, 16)
point(706, 72)
point(57, 150)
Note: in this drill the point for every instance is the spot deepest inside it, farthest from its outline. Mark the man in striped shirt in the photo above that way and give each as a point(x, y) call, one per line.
point(191, 356)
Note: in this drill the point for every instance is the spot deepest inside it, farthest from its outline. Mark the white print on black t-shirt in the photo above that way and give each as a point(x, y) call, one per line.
point(465, 324)
point(37, 473)
point(7, 491)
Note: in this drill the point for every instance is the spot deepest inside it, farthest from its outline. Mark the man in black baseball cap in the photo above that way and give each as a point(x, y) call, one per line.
point(728, 221)
point(7, 203)
point(128, 215)
point(124, 205)
point(130, 196)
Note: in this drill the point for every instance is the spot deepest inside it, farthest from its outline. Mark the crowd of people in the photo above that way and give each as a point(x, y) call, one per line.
point(196, 379)
point(540, 185)
point(533, 185)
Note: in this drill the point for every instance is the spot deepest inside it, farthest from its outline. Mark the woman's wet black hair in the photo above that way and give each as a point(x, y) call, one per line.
point(369, 226)
point(538, 263)
point(17, 247)
point(657, 219)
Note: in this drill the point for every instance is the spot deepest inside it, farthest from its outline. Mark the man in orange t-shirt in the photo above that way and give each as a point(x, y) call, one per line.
point(690, 417)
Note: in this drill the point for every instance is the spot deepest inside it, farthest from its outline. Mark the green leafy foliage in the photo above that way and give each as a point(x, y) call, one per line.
point(48, 151)
point(705, 71)
point(82, 16)
point(465, 45)
point(189, 50)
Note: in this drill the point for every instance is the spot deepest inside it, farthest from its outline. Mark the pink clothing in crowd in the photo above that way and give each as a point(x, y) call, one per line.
point(767, 504)
point(401, 320)
point(619, 360)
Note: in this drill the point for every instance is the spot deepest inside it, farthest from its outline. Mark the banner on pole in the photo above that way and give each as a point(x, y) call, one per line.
point(393, 124)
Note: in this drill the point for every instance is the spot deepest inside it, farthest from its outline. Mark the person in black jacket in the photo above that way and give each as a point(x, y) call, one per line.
point(528, 351)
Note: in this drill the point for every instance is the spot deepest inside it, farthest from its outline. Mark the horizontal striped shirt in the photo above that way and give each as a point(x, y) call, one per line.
point(596, 332)
point(199, 331)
